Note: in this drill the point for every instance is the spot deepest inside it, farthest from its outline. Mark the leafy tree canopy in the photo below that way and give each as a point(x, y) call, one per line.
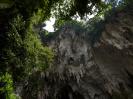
point(21, 50)
point(17, 20)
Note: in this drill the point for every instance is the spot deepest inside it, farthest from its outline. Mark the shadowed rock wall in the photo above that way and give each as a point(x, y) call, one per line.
point(83, 71)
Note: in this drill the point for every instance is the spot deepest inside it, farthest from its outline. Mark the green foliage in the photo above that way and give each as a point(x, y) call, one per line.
point(96, 25)
point(38, 57)
point(66, 8)
point(60, 23)
point(27, 8)
point(8, 87)
point(4, 4)
point(24, 53)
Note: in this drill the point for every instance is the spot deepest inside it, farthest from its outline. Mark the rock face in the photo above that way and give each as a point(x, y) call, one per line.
point(84, 71)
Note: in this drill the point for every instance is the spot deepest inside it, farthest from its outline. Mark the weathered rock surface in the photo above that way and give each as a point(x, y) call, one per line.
point(83, 71)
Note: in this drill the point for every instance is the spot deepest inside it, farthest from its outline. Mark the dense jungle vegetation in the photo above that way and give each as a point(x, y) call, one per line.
point(21, 51)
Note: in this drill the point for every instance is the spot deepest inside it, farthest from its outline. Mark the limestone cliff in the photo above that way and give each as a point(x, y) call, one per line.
point(81, 70)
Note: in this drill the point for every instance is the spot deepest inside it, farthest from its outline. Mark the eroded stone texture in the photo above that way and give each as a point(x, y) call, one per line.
point(83, 71)
point(74, 73)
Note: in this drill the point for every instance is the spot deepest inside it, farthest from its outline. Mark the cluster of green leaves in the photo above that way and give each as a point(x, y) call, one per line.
point(66, 8)
point(60, 23)
point(22, 52)
point(38, 56)
point(7, 88)
point(25, 52)
point(29, 7)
